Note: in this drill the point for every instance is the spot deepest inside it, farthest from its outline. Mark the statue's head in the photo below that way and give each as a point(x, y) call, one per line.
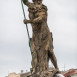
point(37, 1)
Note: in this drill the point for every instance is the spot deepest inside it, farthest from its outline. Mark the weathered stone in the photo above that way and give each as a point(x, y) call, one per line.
point(42, 41)
point(25, 74)
point(39, 74)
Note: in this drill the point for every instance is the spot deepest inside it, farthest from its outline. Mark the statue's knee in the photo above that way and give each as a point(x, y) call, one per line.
point(50, 54)
point(47, 46)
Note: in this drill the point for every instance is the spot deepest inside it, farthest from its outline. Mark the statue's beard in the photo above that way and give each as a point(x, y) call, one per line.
point(38, 6)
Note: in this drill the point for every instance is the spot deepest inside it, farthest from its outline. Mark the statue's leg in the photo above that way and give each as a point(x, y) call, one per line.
point(53, 58)
point(34, 59)
point(44, 56)
point(42, 59)
point(51, 53)
point(35, 62)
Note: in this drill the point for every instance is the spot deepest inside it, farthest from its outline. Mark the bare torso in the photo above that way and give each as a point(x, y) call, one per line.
point(41, 33)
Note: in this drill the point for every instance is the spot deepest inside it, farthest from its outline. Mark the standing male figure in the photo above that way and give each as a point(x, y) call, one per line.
point(41, 39)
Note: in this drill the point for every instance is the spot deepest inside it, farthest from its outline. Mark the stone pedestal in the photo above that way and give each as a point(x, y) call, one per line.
point(42, 74)
point(48, 73)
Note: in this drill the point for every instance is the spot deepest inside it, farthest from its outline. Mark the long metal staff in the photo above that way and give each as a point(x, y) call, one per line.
point(28, 35)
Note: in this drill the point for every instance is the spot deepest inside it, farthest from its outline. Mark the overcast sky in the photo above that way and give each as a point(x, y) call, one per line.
point(14, 49)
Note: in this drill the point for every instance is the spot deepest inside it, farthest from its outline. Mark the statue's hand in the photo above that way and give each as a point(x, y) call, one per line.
point(27, 21)
point(25, 1)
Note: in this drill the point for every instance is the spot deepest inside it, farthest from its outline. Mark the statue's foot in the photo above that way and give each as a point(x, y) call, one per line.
point(33, 72)
point(56, 71)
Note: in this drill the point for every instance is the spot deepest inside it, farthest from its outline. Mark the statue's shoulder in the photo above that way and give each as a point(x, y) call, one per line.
point(44, 7)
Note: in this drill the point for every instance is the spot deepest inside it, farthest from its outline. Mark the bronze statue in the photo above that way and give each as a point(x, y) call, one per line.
point(42, 43)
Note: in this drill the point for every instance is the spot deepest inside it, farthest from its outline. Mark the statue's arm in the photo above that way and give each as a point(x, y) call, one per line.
point(41, 17)
point(26, 2)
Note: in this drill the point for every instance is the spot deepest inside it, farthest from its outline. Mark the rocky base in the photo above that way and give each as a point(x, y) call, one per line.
point(48, 73)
